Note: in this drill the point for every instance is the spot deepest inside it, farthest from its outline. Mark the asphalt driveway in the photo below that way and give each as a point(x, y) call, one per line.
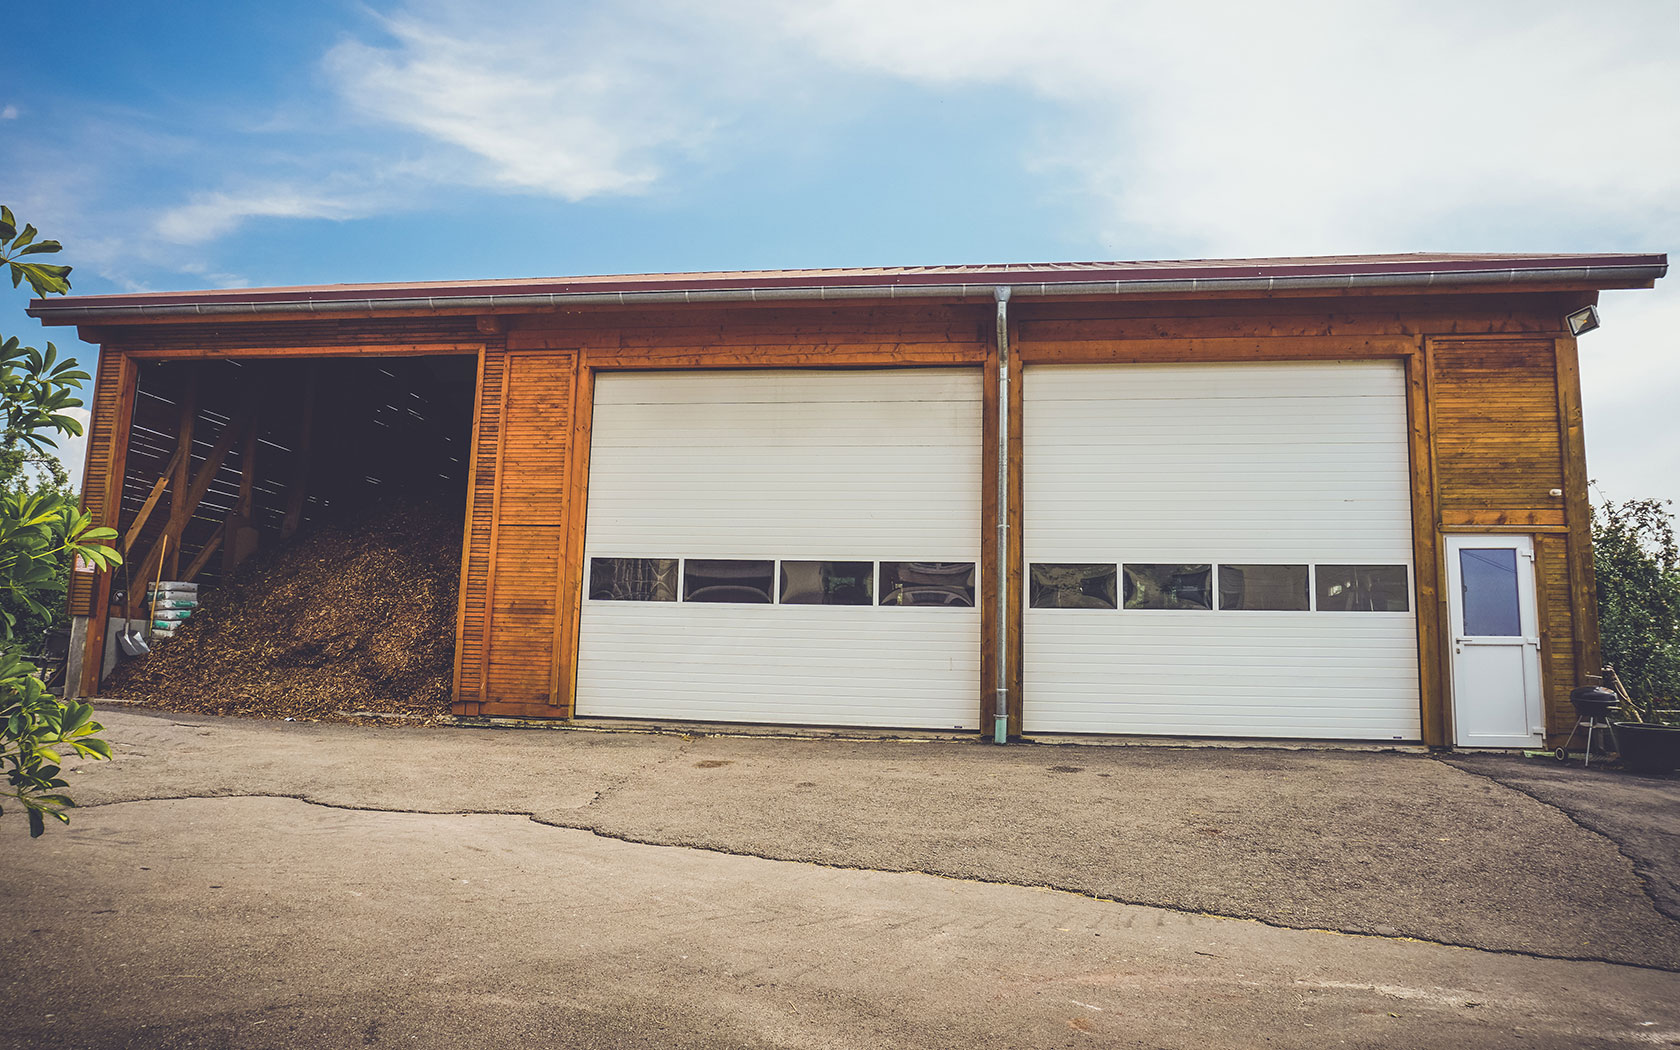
point(262, 883)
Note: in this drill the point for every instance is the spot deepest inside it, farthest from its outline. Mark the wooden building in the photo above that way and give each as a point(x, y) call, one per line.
point(1335, 498)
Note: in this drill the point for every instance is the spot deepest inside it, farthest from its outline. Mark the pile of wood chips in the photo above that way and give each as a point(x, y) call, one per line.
point(352, 621)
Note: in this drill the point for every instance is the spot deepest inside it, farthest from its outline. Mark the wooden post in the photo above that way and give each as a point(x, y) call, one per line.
point(181, 511)
point(188, 417)
point(1426, 560)
point(1583, 586)
point(126, 377)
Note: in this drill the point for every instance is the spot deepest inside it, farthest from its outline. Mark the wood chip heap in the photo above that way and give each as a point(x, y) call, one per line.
point(351, 620)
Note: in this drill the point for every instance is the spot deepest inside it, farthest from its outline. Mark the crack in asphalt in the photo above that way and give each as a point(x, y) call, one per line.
point(971, 879)
point(1640, 869)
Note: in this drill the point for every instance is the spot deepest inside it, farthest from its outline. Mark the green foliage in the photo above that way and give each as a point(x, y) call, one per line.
point(45, 278)
point(27, 472)
point(41, 531)
point(1638, 567)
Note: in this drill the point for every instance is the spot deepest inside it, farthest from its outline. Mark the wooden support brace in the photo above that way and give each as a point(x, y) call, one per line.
point(181, 511)
point(203, 558)
point(146, 508)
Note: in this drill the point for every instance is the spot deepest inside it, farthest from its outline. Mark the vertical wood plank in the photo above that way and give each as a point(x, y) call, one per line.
point(1426, 557)
point(475, 562)
point(102, 480)
point(561, 672)
point(495, 527)
point(577, 507)
point(1577, 509)
point(463, 704)
point(1013, 572)
point(186, 419)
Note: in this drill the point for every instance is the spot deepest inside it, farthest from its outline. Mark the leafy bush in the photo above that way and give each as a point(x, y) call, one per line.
point(41, 531)
point(1638, 567)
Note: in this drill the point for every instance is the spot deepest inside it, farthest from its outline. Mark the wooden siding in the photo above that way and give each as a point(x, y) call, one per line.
point(1505, 432)
point(97, 469)
point(1494, 396)
point(1498, 448)
point(516, 537)
point(481, 503)
point(1558, 665)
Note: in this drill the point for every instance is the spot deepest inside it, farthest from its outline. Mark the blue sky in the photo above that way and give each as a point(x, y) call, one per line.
point(195, 145)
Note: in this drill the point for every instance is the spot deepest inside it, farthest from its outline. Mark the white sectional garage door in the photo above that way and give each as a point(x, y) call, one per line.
point(1219, 550)
point(784, 547)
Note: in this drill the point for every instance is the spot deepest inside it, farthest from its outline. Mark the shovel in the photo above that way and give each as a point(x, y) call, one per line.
point(131, 639)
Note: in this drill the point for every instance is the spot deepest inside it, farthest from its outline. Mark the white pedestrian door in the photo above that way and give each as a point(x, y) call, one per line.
point(1496, 642)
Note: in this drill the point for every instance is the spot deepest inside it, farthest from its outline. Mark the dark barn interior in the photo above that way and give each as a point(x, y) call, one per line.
point(273, 445)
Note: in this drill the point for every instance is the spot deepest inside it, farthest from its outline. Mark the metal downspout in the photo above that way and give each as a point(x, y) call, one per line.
point(1000, 710)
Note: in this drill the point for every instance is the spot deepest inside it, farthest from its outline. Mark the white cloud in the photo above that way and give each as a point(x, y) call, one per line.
point(1312, 126)
point(8, 112)
point(209, 216)
point(554, 103)
point(1630, 385)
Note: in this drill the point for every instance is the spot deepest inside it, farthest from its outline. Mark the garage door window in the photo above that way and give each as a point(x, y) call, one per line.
point(1169, 586)
point(1281, 588)
point(828, 583)
point(633, 579)
point(1073, 586)
point(927, 583)
point(738, 582)
point(1363, 588)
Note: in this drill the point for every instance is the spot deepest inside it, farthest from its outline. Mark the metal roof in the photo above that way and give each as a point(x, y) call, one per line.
point(1421, 271)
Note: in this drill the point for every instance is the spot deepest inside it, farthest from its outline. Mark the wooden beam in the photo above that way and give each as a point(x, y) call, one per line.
point(1258, 348)
point(883, 355)
point(152, 498)
point(122, 417)
point(561, 665)
point(180, 513)
point(257, 352)
point(577, 503)
point(1426, 558)
point(203, 558)
point(1014, 571)
point(495, 529)
point(1583, 587)
point(187, 419)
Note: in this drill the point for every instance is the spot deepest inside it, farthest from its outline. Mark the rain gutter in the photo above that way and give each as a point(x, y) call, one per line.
point(70, 312)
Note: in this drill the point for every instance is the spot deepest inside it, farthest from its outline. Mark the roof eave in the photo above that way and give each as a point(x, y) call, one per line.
point(1580, 278)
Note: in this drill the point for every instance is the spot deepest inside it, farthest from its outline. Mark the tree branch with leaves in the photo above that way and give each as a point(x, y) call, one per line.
point(39, 532)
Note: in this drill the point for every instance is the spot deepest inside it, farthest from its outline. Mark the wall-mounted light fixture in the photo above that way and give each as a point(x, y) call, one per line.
point(1583, 320)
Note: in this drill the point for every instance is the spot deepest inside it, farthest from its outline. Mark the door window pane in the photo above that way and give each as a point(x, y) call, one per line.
point(1169, 586)
point(720, 580)
point(828, 582)
point(1489, 579)
point(927, 583)
point(633, 579)
point(1363, 588)
point(1270, 587)
point(1067, 586)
